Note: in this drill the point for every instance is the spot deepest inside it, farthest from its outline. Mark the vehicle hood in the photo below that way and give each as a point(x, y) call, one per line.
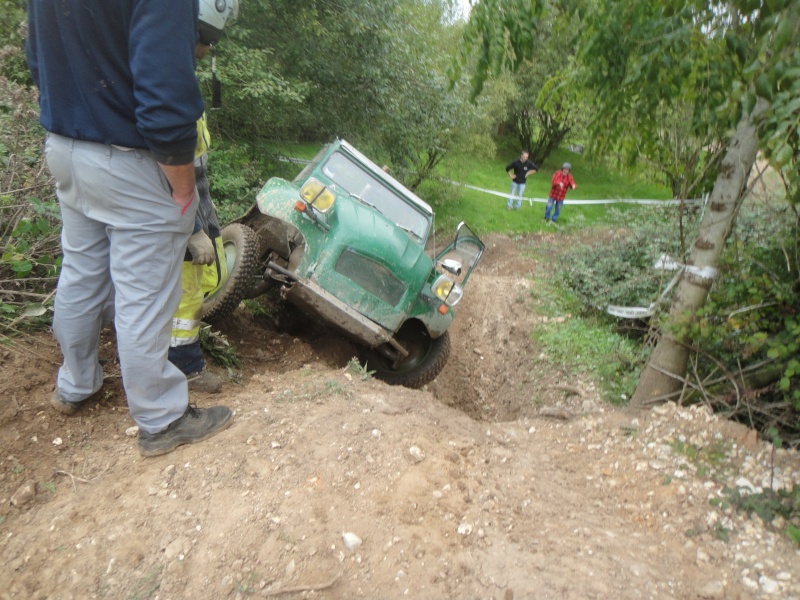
point(371, 233)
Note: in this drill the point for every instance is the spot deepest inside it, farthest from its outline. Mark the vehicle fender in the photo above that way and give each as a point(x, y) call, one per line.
point(435, 322)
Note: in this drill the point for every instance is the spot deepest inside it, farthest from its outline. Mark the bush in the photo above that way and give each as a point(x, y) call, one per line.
point(750, 326)
point(746, 339)
point(619, 270)
point(29, 217)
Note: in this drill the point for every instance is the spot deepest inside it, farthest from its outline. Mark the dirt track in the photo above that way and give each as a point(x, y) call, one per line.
point(330, 486)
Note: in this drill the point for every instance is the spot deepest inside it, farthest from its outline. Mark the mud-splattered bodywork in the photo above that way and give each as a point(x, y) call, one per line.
point(361, 263)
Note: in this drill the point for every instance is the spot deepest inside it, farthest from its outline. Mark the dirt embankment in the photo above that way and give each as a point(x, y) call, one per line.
point(333, 486)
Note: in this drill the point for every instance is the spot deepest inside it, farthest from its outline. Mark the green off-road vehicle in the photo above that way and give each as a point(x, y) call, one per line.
point(347, 244)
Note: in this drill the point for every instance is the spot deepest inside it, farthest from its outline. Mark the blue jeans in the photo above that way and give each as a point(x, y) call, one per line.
point(547, 210)
point(516, 194)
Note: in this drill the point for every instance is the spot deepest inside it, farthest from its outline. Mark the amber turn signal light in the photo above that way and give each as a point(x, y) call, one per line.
point(300, 206)
point(443, 309)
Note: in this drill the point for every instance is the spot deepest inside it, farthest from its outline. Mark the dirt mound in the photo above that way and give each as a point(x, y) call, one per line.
point(495, 482)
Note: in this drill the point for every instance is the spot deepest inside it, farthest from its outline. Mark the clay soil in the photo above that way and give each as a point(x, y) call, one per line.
point(502, 479)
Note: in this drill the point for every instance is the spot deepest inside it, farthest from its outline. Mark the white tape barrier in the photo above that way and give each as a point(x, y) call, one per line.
point(571, 202)
point(298, 161)
point(302, 161)
point(665, 263)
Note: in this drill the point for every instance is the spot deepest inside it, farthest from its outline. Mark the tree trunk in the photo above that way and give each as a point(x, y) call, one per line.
point(666, 368)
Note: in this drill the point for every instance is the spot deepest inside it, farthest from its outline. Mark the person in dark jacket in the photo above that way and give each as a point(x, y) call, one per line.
point(518, 170)
point(119, 98)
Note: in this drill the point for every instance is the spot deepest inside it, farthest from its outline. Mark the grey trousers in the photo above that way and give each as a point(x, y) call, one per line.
point(123, 239)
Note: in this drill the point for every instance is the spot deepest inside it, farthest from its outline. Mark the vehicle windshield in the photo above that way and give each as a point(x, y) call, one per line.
point(352, 178)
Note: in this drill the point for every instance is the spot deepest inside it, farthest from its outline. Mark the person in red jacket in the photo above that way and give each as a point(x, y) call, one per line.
point(562, 181)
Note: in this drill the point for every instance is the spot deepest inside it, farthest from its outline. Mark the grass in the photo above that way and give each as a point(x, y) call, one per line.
point(583, 345)
point(488, 212)
point(586, 348)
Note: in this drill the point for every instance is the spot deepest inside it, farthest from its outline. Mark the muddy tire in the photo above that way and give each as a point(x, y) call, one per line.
point(240, 245)
point(426, 359)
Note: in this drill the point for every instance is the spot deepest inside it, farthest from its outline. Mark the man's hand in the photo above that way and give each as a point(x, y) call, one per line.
point(510, 174)
point(181, 180)
point(201, 248)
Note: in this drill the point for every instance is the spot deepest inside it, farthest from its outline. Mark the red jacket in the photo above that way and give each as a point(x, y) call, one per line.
point(560, 184)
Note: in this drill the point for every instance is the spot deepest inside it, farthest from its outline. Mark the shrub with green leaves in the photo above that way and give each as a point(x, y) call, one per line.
point(618, 270)
point(749, 329)
point(30, 254)
point(746, 339)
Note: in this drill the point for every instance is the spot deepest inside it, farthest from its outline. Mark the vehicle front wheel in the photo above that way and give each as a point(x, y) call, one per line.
point(426, 358)
point(240, 246)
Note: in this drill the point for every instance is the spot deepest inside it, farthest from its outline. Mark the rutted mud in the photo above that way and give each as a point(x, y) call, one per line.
point(331, 485)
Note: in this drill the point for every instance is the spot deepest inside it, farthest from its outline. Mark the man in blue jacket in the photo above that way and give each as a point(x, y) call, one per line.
point(118, 96)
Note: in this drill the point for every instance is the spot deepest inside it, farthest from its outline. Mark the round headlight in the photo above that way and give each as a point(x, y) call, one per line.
point(446, 290)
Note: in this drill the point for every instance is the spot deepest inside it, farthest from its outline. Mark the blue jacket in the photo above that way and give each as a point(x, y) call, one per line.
point(118, 72)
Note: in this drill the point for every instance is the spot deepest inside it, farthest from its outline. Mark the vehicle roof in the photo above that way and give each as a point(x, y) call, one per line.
point(381, 174)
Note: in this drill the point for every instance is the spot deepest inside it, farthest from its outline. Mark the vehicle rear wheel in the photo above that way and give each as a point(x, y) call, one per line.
point(240, 246)
point(426, 358)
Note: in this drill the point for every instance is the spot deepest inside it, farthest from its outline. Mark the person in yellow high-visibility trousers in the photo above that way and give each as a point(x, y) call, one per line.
point(204, 266)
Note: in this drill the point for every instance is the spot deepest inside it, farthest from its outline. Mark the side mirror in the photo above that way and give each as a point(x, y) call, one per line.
point(451, 266)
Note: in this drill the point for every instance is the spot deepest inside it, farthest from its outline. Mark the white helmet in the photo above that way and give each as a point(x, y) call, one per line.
point(212, 18)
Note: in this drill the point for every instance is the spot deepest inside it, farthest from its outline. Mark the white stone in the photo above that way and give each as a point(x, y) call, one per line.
point(464, 529)
point(290, 568)
point(768, 585)
point(416, 453)
point(132, 431)
point(351, 540)
point(749, 583)
point(713, 589)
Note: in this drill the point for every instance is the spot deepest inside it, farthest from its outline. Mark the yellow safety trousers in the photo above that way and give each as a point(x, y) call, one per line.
point(197, 281)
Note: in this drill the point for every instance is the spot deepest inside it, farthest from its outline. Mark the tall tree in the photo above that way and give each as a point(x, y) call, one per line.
point(544, 108)
point(370, 71)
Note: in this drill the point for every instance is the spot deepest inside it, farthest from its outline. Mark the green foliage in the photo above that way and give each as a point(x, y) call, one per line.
point(585, 346)
point(503, 33)
point(12, 28)
point(359, 370)
point(619, 271)
point(30, 254)
point(545, 105)
point(752, 316)
point(637, 58)
point(235, 178)
point(219, 348)
point(768, 504)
